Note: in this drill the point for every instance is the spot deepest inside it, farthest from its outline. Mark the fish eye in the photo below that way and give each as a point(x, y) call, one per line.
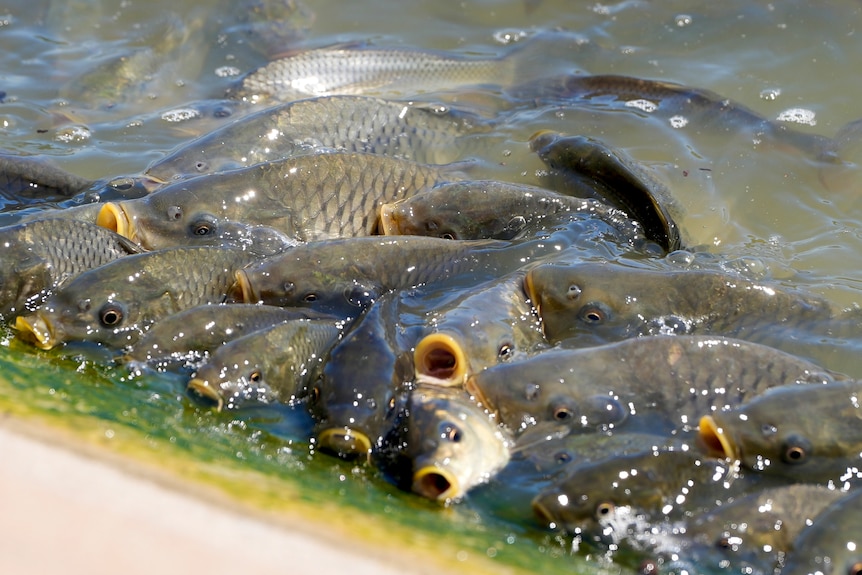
point(310, 297)
point(506, 351)
point(315, 393)
point(562, 413)
point(255, 377)
point(450, 432)
point(201, 166)
point(121, 184)
point(202, 229)
point(795, 450)
point(448, 236)
point(855, 568)
point(110, 315)
point(573, 292)
point(604, 509)
point(175, 213)
point(222, 112)
point(562, 457)
point(594, 313)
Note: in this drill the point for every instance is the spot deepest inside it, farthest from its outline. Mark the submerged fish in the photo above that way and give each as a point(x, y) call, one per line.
point(306, 198)
point(492, 323)
point(500, 210)
point(363, 382)
point(585, 165)
point(271, 25)
point(32, 179)
point(423, 133)
point(271, 364)
point(190, 333)
point(806, 433)
point(452, 443)
point(352, 69)
point(832, 545)
point(752, 534)
point(608, 302)
point(659, 381)
point(698, 107)
point(115, 303)
point(41, 256)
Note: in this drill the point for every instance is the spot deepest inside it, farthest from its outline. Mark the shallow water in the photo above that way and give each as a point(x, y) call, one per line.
point(772, 209)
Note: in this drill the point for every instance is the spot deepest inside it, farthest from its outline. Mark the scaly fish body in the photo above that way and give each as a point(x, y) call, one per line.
point(28, 179)
point(667, 380)
point(608, 302)
point(271, 364)
point(41, 256)
point(807, 433)
point(360, 71)
point(419, 132)
point(115, 303)
point(195, 331)
point(832, 545)
point(306, 198)
point(500, 210)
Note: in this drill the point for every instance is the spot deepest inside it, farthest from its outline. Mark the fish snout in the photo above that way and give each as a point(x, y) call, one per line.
point(241, 291)
point(344, 442)
point(440, 360)
point(435, 483)
point(388, 222)
point(37, 330)
point(716, 440)
point(114, 217)
point(203, 388)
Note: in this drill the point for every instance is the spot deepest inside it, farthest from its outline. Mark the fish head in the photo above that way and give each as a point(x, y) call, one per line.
point(807, 432)
point(301, 283)
point(453, 444)
point(231, 381)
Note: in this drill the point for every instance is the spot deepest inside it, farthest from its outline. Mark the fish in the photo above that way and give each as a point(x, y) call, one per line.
point(353, 69)
point(582, 165)
point(808, 433)
point(35, 179)
point(453, 444)
point(597, 499)
point(608, 302)
point(116, 302)
point(271, 364)
point(658, 383)
point(344, 276)
point(192, 333)
point(270, 25)
point(423, 133)
point(41, 256)
point(832, 545)
point(363, 383)
point(698, 107)
point(491, 324)
point(306, 198)
point(488, 209)
point(753, 533)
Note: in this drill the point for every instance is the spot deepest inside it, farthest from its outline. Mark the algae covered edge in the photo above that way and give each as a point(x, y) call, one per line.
point(147, 428)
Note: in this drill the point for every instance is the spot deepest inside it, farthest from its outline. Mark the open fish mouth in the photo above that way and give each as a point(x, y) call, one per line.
point(115, 218)
point(715, 439)
point(440, 360)
point(242, 291)
point(435, 483)
point(345, 442)
point(36, 330)
point(205, 390)
point(388, 223)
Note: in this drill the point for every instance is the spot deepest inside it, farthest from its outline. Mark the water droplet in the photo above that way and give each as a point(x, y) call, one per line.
point(683, 20)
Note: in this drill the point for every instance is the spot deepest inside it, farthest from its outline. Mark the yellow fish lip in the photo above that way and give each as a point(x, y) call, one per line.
point(242, 287)
point(473, 389)
point(345, 442)
point(716, 439)
point(36, 330)
point(388, 222)
point(205, 390)
point(530, 289)
point(439, 359)
point(542, 512)
point(115, 217)
point(436, 483)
